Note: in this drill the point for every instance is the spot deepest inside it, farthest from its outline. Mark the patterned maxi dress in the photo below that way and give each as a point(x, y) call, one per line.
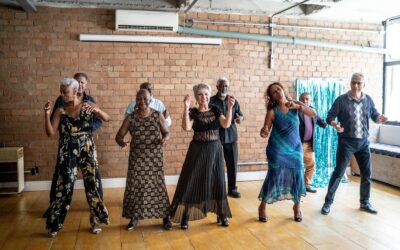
point(285, 177)
point(145, 193)
point(76, 149)
point(201, 184)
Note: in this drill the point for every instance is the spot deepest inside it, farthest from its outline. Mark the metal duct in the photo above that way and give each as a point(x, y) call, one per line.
point(278, 39)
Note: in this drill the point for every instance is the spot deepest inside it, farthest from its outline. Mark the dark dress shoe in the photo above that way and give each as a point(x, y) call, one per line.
point(310, 189)
point(368, 208)
point(234, 193)
point(223, 220)
point(184, 222)
point(167, 225)
point(326, 208)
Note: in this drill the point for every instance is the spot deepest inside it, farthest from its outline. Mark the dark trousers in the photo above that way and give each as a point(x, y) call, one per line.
point(231, 159)
point(346, 148)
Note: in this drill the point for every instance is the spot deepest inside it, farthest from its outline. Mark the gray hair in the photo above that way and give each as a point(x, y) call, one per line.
point(199, 86)
point(358, 74)
point(223, 79)
point(70, 82)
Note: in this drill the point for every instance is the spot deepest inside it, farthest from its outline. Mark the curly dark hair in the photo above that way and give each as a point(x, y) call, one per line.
point(269, 101)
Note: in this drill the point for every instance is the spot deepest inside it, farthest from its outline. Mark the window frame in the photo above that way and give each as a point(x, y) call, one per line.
point(386, 64)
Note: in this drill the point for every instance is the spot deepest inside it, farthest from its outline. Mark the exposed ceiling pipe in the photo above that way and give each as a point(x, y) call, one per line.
point(276, 25)
point(27, 5)
point(190, 6)
point(278, 39)
point(271, 32)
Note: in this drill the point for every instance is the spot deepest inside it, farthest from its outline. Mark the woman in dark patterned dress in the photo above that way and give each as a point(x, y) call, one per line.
point(76, 150)
point(201, 185)
point(284, 179)
point(145, 193)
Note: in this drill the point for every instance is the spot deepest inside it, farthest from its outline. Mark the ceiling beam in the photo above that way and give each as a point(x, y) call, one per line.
point(27, 5)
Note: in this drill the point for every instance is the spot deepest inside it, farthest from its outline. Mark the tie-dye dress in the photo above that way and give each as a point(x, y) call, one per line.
point(285, 177)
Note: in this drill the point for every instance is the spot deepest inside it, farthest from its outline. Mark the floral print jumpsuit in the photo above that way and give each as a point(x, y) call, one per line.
point(76, 150)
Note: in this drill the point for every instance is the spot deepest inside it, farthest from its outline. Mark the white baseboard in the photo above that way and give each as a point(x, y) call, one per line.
point(120, 182)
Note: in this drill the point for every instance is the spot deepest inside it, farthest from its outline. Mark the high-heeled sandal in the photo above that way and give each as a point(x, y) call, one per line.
point(262, 217)
point(221, 219)
point(184, 222)
point(297, 214)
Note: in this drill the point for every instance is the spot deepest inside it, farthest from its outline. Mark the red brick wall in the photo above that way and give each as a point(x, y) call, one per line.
point(37, 50)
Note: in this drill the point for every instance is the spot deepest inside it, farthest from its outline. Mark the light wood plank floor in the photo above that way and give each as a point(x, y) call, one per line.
point(21, 225)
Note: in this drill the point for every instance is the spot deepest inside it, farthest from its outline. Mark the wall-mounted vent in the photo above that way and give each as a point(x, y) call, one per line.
point(146, 21)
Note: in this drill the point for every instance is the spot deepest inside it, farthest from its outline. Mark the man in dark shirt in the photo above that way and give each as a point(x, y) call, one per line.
point(82, 79)
point(353, 111)
point(306, 128)
point(228, 136)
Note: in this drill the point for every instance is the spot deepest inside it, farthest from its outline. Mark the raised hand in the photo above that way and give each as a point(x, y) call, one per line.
point(187, 101)
point(231, 101)
point(264, 132)
point(47, 107)
point(382, 119)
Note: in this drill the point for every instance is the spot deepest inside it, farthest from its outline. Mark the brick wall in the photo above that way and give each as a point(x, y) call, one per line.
point(37, 50)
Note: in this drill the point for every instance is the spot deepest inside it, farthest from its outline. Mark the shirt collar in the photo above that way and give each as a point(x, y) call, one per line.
point(352, 98)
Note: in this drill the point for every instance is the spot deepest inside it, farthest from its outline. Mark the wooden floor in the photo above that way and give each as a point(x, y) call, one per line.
point(21, 225)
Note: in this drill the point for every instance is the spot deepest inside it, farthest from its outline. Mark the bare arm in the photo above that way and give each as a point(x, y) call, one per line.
point(186, 122)
point(269, 118)
point(164, 130)
point(301, 107)
point(225, 122)
point(97, 112)
point(51, 126)
point(123, 130)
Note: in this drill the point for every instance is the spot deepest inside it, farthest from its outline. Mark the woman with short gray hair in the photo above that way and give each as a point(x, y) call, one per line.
point(201, 185)
point(76, 149)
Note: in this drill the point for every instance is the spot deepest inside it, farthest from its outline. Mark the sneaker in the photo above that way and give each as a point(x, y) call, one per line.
point(96, 229)
point(132, 224)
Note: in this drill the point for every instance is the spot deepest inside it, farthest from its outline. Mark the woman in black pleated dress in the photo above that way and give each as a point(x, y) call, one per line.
point(201, 185)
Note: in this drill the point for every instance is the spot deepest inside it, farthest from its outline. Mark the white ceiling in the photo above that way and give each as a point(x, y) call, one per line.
point(360, 11)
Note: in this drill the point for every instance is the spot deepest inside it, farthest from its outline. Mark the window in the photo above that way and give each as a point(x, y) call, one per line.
point(391, 87)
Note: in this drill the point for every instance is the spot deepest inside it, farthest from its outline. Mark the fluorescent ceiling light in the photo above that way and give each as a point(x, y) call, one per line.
point(148, 39)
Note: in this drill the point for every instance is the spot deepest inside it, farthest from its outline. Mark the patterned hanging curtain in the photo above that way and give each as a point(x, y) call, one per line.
point(323, 94)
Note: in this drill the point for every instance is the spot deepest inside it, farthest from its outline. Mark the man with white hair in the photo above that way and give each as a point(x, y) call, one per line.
point(229, 135)
point(353, 111)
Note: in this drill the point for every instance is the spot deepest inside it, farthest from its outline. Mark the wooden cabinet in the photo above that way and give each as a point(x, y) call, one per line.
point(11, 170)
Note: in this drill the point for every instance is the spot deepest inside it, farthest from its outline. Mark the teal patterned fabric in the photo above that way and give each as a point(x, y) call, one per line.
point(323, 94)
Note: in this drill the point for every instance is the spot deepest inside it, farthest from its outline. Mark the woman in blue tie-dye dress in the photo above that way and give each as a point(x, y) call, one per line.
point(285, 179)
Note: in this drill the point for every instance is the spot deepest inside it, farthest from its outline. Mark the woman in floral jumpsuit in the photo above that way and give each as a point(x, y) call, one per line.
point(76, 150)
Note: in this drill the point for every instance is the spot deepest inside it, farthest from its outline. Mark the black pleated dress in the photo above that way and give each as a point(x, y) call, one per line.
point(201, 185)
